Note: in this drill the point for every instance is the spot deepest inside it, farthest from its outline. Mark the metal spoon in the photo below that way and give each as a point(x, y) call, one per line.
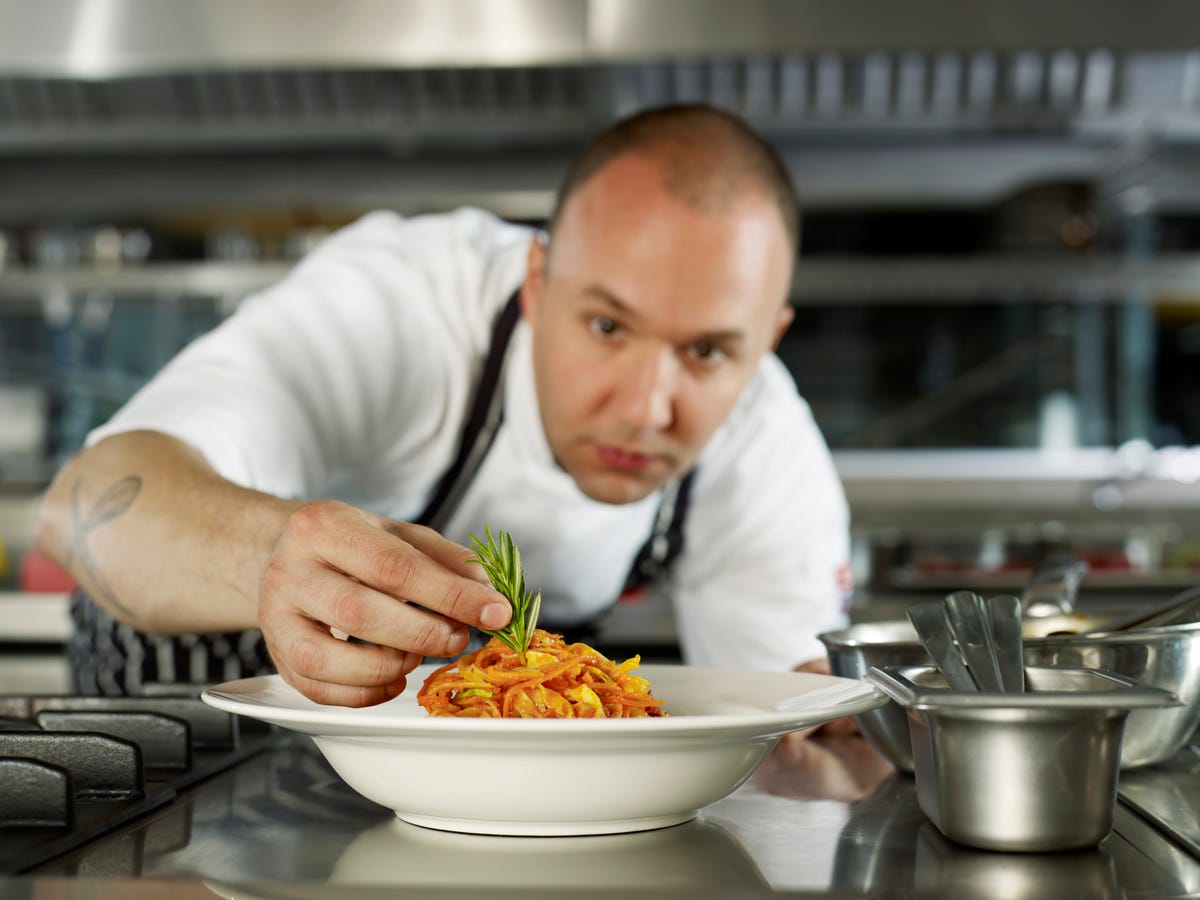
point(1005, 614)
point(929, 620)
point(971, 627)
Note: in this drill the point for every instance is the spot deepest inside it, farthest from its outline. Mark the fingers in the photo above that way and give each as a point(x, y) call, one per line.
point(820, 666)
point(846, 725)
point(331, 671)
point(454, 557)
point(366, 547)
point(405, 589)
point(359, 610)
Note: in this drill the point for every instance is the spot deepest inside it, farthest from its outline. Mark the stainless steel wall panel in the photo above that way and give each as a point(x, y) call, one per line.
point(111, 38)
point(624, 29)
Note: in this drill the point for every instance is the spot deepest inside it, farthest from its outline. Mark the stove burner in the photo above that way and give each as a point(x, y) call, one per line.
point(76, 767)
point(36, 795)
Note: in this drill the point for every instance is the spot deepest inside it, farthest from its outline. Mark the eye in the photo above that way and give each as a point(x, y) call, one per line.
point(704, 352)
point(604, 327)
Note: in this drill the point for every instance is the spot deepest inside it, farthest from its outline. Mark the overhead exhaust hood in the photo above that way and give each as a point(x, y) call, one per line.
point(97, 39)
point(115, 103)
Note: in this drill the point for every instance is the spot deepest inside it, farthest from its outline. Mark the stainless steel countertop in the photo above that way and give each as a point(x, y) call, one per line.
point(822, 816)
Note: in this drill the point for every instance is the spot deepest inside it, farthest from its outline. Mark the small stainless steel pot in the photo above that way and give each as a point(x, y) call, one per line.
point(1167, 658)
point(1031, 772)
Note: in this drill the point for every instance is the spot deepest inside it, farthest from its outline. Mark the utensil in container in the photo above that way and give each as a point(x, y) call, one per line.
point(971, 627)
point(1166, 657)
point(1004, 611)
point(1031, 772)
point(929, 621)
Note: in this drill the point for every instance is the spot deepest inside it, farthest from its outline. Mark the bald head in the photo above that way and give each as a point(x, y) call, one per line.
point(710, 160)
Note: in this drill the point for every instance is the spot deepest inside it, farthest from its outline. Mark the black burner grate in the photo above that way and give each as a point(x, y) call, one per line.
point(73, 768)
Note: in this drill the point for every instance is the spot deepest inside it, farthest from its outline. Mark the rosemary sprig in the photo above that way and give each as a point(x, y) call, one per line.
point(501, 560)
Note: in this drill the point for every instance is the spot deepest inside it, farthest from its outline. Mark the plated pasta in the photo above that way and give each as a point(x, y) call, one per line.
point(555, 680)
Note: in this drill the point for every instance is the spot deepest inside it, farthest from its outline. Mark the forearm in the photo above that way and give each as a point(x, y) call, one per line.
point(158, 538)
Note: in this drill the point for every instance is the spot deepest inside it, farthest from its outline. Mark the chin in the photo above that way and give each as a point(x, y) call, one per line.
point(616, 489)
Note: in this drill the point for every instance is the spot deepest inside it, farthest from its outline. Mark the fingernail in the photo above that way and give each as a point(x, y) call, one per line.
point(495, 615)
point(394, 690)
point(411, 661)
point(459, 638)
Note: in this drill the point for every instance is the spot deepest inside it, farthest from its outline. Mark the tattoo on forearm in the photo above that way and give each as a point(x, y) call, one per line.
point(112, 504)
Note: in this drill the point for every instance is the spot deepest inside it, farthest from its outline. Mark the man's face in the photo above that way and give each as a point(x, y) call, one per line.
point(649, 317)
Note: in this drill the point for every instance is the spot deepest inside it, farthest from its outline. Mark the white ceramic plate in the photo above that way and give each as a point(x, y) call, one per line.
point(559, 776)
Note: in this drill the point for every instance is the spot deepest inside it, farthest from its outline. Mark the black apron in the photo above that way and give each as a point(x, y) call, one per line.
point(107, 657)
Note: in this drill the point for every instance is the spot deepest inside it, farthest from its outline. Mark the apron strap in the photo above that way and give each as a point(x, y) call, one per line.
point(665, 542)
point(483, 421)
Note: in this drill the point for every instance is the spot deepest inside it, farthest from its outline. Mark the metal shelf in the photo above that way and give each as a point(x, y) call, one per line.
point(965, 280)
point(168, 282)
point(840, 280)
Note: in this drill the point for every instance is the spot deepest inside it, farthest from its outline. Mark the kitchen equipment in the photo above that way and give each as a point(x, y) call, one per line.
point(963, 637)
point(591, 777)
point(1179, 609)
point(1053, 588)
point(929, 621)
point(853, 652)
point(1166, 657)
point(1169, 796)
point(971, 626)
point(870, 862)
point(281, 824)
point(1004, 611)
point(1029, 772)
point(77, 766)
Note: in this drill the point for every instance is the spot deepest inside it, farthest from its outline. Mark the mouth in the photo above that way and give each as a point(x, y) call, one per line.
point(624, 460)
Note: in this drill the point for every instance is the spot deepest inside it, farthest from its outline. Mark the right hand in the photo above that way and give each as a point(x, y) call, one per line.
point(403, 588)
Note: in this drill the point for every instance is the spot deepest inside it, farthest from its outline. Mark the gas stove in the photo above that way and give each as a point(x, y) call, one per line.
point(78, 767)
point(163, 796)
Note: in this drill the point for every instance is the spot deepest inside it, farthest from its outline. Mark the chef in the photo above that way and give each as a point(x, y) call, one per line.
point(606, 392)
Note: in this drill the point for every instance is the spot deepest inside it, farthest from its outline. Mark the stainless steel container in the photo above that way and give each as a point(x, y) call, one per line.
point(1167, 658)
point(852, 652)
point(1029, 772)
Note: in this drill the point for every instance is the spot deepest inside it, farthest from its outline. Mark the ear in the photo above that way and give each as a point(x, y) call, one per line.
point(535, 278)
point(786, 314)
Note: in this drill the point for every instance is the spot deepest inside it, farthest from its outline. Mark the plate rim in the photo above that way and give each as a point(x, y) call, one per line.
point(340, 720)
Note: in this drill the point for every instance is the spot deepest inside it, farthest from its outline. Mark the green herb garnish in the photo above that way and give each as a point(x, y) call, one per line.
point(501, 560)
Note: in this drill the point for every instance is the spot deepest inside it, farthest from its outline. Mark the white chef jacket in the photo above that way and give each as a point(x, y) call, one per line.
point(353, 376)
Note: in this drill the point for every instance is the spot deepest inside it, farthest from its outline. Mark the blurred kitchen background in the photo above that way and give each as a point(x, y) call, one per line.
point(998, 302)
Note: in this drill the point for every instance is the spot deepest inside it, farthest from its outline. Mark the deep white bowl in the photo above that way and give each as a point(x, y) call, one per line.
point(559, 776)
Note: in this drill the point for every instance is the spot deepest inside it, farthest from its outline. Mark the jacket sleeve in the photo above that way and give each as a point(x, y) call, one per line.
point(350, 358)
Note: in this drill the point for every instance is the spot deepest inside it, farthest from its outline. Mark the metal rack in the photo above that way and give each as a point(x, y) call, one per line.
point(824, 280)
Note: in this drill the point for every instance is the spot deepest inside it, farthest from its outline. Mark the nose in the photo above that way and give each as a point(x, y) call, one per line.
point(645, 394)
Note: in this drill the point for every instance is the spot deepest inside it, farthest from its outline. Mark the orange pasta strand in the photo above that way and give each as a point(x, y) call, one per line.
point(556, 681)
